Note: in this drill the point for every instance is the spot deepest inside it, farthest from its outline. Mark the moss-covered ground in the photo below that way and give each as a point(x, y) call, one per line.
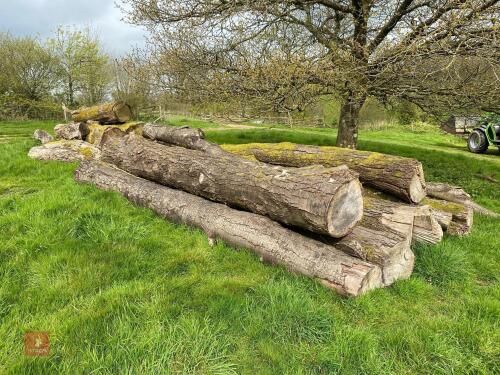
point(121, 291)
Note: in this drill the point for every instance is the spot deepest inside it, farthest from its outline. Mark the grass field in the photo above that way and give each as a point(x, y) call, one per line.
point(121, 291)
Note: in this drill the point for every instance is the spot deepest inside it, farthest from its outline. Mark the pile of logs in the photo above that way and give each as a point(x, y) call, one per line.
point(347, 218)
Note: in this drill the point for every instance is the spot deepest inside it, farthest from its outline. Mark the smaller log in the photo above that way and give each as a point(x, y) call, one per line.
point(71, 131)
point(42, 136)
point(383, 237)
point(274, 243)
point(462, 216)
point(109, 113)
point(65, 151)
point(456, 194)
point(193, 139)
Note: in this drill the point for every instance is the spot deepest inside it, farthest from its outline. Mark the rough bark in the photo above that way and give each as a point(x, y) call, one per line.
point(71, 131)
point(401, 177)
point(274, 243)
point(457, 195)
point(348, 123)
point(322, 200)
point(383, 237)
point(193, 139)
point(108, 113)
point(42, 136)
point(65, 151)
point(462, 216)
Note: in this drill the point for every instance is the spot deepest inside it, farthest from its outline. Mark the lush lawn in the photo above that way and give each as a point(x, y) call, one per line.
point(122, 291)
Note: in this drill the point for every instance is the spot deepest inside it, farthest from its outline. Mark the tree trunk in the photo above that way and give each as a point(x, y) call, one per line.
point(109, 113)
point(347, 136)
point(323, 200)
point(383, 237)
point(456, 194)
point(42, 136)
point(462, 216)
point(398, 176)
point(193, 139)
point(274, 243)
point(71, 131)
point(65, 151)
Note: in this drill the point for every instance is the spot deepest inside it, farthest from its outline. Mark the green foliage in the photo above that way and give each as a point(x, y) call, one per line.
point(27, 68)
point(17, 107)
point(82, 65)
point(121, 290)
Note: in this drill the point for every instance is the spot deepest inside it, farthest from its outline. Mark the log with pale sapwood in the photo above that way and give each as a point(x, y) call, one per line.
point(107, 113)
point(42, 136)
point(322, 200)
point(274, 243)
point(401, 177)
point(65, 151)
point(71, 131)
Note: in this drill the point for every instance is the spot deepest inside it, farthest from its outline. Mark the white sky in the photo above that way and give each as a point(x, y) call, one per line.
point(42, 17)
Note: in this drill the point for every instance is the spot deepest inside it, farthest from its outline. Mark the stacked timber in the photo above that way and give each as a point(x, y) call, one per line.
point(302, 207)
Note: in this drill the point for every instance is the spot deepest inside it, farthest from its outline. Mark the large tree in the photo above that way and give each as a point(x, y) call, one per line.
point(430, 52)
point(82, 65)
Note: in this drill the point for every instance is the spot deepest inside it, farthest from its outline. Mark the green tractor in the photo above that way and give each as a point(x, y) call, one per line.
point(487, 134)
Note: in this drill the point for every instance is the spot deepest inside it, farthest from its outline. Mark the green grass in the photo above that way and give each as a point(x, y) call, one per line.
point(123, 291)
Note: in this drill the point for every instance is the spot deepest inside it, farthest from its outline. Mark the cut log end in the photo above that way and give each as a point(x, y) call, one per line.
point(346, 209)
point(417, 189)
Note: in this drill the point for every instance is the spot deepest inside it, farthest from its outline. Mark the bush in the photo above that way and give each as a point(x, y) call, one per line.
point(13, 107)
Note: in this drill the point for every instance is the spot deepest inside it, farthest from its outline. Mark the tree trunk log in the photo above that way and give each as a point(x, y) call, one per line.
point(108, 113)
point(71, 131)
point(193, 139)
point(462, 216)
point(383, 237)
point(401, 177)
point(65, 151)
point(322, 200)
point(42, 136)
point(96, 131)
point(426, 228)
point(274, 243)
point(457, 195)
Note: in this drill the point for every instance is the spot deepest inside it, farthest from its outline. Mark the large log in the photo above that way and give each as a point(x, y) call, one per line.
point(108, 113)
point(274, 243)
point(96, 131)
point(401, 177)
point(322, 200)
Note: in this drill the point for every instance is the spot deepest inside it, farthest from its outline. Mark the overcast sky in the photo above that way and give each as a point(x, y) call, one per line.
point(42, 17)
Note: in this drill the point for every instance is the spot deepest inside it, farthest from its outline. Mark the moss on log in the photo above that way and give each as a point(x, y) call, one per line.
point(401, 177)
point(107, 113)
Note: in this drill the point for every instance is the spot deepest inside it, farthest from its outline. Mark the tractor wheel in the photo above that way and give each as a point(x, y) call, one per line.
point(477, 142)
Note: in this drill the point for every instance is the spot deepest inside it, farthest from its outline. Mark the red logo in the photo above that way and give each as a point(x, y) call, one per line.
point(36, 344)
